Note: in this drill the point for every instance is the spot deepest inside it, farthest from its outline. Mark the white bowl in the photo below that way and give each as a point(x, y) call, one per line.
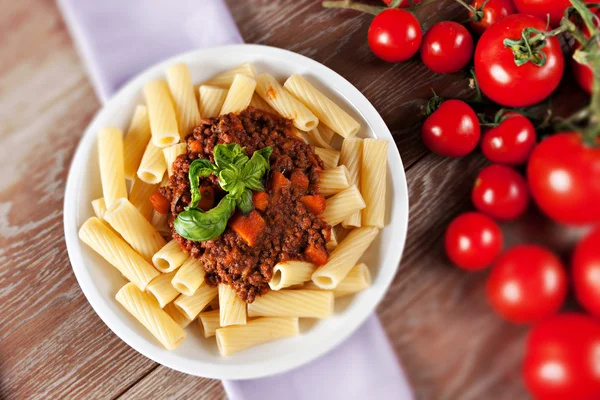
point(198, 356)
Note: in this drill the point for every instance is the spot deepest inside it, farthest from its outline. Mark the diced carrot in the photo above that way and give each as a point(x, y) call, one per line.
point(299, 180)
point(260, 200)
point(316, 255)
point(279, 181)
point(315, 203)
point(208, 198)
point(249, 227)
point(160, 203)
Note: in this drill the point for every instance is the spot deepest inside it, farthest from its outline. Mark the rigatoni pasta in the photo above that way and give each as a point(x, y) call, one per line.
point(342, 205)
point(324, 108)
point(284, 103)
point(232, 308)
point(333, 180)
point(373, 177)
point(351, 157)
point(239, 95)
point(117, 252)
point(211, 100)
point(136, 140)
point(148, 313)
point(192, 305)
point(189, 276)
point(225, 79)
point(112, 174)
point(182, 91)
point(99, 207)
point(170, 153)
point(163, 120)
point(330, 157)
point(358, 279)
point(160, 223)
point(134, 228)
point(258, 102)
point(169, 257)
point(344, 257)
point(293, 303)
point(162, 290)
point(153, 165)
point(209, 322)
point(179, 317)
point(232, 339)
point(139, 196)
point(289, 273)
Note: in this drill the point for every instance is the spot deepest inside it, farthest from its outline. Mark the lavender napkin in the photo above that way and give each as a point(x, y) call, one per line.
point(119, 38)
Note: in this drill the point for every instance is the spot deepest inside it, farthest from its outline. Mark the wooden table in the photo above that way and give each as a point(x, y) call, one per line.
point(52, 344)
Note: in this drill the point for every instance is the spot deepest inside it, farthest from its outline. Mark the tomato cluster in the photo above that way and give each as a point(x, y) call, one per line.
point(518, 62)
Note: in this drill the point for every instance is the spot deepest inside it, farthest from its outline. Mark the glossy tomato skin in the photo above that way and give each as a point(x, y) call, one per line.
point(501, 79)
point(561, 358)
point(447, 47)
point(473, 241)
point(564, 179)
point(527, 284)
point(511, 142)
point(583, 73)
point(452, 130)
point(395, 35)
point(586, 272)
point(493, 11)
point(500, 192)
point(542, 8)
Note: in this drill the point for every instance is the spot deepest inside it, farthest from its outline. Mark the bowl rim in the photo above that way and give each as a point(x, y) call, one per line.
point(200, 368)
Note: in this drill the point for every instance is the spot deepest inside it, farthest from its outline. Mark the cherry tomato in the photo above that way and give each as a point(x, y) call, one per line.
point(488, 13)
point(160, 203)
point(501, 79)
point(528, 283)
point(583, 73)
point(564, 179)
point(447, 47)
point(586, 272)
point(500, 192)
point(511, 142)
point(395, 35)
point(473, 241)
point(404, 3)
point(561, 358)
point(542, 8)
point(452, 130)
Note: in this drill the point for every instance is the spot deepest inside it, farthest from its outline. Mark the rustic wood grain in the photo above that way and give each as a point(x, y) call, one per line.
point(52, 344)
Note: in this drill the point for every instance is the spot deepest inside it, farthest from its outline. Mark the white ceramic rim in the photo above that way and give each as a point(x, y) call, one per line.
point(261, 368)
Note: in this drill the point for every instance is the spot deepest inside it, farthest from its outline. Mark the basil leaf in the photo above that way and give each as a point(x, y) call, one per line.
point(265, 153)
point(229, 178)
point(254, 184)
point(227, 155)
point(244, 203)
point(256, 168)
point(194, 224)
point(200, 167)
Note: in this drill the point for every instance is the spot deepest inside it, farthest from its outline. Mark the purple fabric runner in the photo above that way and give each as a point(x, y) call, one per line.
point(117, 39)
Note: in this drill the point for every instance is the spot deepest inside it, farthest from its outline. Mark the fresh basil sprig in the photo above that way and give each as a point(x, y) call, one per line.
point(238, 175)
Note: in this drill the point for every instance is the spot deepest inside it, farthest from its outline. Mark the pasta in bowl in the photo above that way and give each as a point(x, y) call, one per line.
point(233, 205)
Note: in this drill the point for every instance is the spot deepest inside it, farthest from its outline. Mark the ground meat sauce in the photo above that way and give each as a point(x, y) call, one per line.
point(290, 226)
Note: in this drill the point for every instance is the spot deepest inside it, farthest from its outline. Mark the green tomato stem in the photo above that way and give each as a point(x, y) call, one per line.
point(352, 5)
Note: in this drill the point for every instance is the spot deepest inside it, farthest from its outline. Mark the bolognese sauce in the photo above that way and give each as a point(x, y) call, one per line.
point(284, 224)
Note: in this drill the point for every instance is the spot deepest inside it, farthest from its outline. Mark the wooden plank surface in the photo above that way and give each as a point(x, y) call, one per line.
point(52, 344)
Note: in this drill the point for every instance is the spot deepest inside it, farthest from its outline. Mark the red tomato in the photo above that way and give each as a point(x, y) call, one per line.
point(583, 73)
point(586, 272)
point(473, 241)
point(511, 142)
point(447, 47)
point(452, 130)
point(500, 192)
point(543, 8)
point(528, 283)
point(404, 3)
point(160, 203)
point(488, 13)
point(562, 357)
point(394, 35)
point(564, 179)
point(501, 79)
